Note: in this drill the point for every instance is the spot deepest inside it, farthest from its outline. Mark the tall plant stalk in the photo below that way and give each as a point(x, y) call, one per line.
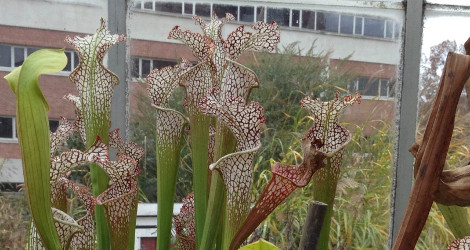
point(33, 135)
point(170, 126)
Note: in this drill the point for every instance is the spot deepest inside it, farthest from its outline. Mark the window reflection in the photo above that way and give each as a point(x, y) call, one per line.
point(280, 16)
point(247, 13)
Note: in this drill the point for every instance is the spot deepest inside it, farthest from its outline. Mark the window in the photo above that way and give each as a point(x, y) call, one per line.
point(158, 63)
point(281, 16)
point(68, 67)
point(146, 67)
point(188, 8)
point(53, 125)
point(203, 10)
point(168, 7)
point(347, 23)
point(374, 27)
point(327, 21)
point(148, 5)
point(29, 51)
point(388, 29)
point(247, 13)
point(260, 12)
point(141, 67)
point(20, 53)
point(7, 127)
point(358, 27)
point(372, 87)
point(295, 18)
point(308, 19)
point(5, 56)
point(221, 9)
point(335, 22)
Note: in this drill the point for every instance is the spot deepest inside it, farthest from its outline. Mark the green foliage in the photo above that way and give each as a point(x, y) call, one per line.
point(260, 245)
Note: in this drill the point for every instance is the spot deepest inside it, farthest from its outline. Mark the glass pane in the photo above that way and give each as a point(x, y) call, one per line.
point(6, 127)
point(247, 13)
point(308, 19)
point(145, 67)
point(159, 63)
point(260, 11)
point(281, 16)
point(148, 5)
point(441, 35)
point(222, 9)
point(388, 29)
point(295, 18)
point(135, 67)
point(358, 26)
point(203, 10)
point(76, 60)
point(327, 21)
point(383, 87)
point(188, 8)
point(68, 67)
point(31, 50)
point(53, 125)
point(5, 56)
point(347, 23)
point(19, 56)
point(168, 7)
point(374, 27)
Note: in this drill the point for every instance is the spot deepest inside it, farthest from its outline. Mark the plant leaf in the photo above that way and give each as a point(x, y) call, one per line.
point(119, 200)
point(324, 142)
point(86, 238)
point(260, 245)
point(458, 244)
point(94, 82)
point(63, 132)
point(267, 37)
point(33, 135)
point(169, 130)
point(185, 224)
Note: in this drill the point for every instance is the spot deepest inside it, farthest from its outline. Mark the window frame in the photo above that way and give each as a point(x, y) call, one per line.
point(14, 138)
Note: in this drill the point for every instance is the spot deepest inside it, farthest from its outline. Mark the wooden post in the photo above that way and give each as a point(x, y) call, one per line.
point(433, 150)
point(313, 225)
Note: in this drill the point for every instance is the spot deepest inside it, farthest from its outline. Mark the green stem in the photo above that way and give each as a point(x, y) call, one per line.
point(229, 231)
point(132, 222)
point(457, 220)
point(168, 158)
point(199, 128)
point(225, 143)
point(214, 209)
point(99, 183)
point(324, 190)
point(33, 137)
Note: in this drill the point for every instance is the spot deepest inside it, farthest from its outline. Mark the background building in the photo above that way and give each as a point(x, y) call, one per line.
point(369, 37)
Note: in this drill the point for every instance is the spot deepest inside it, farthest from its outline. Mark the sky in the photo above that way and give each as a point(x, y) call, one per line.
point(442, 26)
